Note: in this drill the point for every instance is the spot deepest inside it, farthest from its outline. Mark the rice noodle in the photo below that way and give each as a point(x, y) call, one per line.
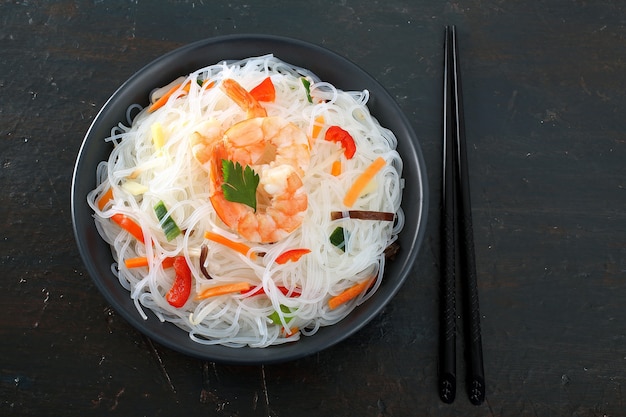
point(173, 176)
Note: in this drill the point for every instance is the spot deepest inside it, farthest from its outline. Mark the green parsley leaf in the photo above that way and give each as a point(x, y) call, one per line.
point(239, 184)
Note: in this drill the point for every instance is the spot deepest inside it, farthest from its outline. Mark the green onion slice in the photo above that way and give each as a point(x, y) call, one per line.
point(169, 226)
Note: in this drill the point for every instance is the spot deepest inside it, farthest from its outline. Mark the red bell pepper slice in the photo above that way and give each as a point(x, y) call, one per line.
point(291, 255)
point(337, 134)
point(129, 225)
point(178, 295)
point(261, 291)
point(265, 91)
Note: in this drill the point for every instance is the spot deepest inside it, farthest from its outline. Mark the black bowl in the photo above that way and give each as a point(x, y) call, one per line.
point(329, 67)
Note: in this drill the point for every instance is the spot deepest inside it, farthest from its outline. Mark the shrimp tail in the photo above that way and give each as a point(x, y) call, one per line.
point(243, 98)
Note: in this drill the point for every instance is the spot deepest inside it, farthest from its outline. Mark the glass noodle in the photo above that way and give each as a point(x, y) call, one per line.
point(141, 176)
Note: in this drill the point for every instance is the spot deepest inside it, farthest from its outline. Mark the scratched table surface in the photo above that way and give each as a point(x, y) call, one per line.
point(545, 96)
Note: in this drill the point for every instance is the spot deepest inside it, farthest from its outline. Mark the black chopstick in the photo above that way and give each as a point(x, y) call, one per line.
point(447, 315)
point(458, 239)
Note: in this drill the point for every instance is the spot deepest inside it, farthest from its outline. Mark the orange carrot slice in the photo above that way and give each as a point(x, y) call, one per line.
point(361, 182)
point(141, 261)
point(105, 198)
point(223, 289)
point(349, 294)
point(317, 126)
point(290, 332)
point(138, 262)
point(236, 246)
point(335, 169)
point(163, 99)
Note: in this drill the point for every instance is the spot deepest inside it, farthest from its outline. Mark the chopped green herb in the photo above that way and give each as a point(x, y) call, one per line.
point(307, 88)
point(239, 184)
point(169, 226)
point(276, 318)
point(338, 238)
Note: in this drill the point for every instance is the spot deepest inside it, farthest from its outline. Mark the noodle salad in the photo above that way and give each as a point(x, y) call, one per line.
point(250, 203)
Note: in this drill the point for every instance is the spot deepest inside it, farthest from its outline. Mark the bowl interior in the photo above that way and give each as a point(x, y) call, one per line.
point(329, 67)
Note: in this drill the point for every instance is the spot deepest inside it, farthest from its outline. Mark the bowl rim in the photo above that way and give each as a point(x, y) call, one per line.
point(241, 45)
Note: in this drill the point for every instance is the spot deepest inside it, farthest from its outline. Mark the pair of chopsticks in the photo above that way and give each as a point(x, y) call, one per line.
point(457, 241)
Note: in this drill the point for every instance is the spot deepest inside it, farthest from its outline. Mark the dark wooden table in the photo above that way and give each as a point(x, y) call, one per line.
point(545, 96)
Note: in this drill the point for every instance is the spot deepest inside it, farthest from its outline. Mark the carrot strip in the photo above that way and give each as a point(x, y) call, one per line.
point(129, 225)
point(163, 99)
point(141, 261)
point(291, 255)
point(265, 91)
point(106, 197)
point(223, 289)
point(335, 169)
point(317, 126)
point(290, 332)
point(236, 246)
point(136, 262)
point(361, 182)
point(349, 294)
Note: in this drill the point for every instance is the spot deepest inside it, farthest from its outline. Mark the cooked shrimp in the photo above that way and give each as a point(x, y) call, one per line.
point(277, 150)
point(208, 132)
point(281, 200)
point(268, 140)
point(203, 138)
